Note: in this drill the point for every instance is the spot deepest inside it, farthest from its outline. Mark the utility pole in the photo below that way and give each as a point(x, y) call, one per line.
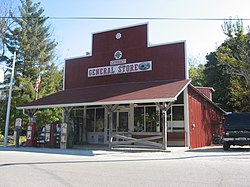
point(9, 101)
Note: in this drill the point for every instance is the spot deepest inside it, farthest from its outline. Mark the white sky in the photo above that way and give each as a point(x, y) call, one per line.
point(74, 36)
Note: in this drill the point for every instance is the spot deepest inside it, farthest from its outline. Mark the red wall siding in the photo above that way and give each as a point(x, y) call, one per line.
point(168, 61)
point(204, 119)
point(206, 91)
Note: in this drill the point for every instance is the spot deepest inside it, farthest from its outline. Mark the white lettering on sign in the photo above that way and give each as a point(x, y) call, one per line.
point(120, 69)
point(116, 62)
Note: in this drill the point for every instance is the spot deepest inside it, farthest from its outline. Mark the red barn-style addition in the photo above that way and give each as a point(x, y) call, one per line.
point(127, 93)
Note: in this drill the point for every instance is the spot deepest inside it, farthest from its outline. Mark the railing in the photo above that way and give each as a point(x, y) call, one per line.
point(127, 139)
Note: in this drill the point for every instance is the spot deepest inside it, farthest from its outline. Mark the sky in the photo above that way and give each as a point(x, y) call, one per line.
point(74, 37)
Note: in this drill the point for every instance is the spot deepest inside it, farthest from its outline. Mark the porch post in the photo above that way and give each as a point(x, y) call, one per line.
point(111, 109)
point(65, 127)
point(164, 108)
point(110, 128)
point(85, 124)
point(165, 130)
point(66, 114)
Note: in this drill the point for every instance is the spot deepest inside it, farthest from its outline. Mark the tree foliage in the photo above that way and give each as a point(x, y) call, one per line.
point(196, 74)
point(228, 68)
point(5, 23)
point(31, 39)
point(216, 76)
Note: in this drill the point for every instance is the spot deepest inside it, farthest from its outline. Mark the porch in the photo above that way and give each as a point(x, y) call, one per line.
point(148, 114)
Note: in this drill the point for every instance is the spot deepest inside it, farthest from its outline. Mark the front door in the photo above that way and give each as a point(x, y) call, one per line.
point(78, 130)
point(120, 122)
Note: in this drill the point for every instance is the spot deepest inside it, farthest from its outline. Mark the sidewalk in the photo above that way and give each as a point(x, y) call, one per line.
point(90, 150)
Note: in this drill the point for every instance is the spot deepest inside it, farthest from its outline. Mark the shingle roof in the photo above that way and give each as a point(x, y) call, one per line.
point(125, 93)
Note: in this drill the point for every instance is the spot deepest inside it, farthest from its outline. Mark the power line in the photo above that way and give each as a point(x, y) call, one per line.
point(133, 18)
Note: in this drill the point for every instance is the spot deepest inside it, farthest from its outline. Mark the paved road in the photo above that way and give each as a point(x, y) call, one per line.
point(54, 167)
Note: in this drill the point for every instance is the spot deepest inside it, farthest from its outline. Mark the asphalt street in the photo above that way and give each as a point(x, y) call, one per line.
point(210, 166)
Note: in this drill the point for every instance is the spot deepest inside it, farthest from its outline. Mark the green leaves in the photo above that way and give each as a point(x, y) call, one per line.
point(197, 74)
point(30, 38)
point(228, 69)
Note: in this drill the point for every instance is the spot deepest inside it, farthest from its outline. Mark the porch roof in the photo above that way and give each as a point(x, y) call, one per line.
point(125, 93)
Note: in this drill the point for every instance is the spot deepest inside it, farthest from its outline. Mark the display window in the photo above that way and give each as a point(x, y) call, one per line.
point(139, 119)
point(90, 119)
point(145, 119)
point(95, 120)
point(99, 123)
point(176, 118)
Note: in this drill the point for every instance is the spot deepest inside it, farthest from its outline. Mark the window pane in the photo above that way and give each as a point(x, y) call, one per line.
point(123, 121)
point(99, 120)
point(79, 113)
point(115, 126)
point(178, 113)
point(151, 119)
point(90, 120)
point(139, 119)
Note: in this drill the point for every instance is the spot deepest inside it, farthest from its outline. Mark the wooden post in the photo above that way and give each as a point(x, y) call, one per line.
point(165, 127)
point(64, 140)
point(111, 109)
point(164, 108)
point(110, 128)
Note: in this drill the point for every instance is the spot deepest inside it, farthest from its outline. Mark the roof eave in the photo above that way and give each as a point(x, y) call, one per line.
point(100, 103)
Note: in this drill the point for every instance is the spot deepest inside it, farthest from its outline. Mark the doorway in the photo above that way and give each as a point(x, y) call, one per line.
point(78, 130)
point(120, 122)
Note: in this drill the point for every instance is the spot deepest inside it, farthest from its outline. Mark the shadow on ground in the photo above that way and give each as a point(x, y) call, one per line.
point(76, 152)
point(219, 149)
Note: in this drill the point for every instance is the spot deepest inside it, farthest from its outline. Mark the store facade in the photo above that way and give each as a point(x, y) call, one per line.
point(127, 93)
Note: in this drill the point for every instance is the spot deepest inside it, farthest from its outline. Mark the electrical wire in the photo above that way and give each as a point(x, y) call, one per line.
point(133, 18)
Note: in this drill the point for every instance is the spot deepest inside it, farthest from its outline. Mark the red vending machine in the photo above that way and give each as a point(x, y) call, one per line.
point(31, 133)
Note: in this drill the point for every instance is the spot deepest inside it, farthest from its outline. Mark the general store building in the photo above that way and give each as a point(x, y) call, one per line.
point(130, 93)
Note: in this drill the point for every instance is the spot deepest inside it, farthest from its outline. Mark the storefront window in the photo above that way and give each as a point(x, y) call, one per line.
point(99, 127)
point(139, 119)
point(90, 120)
point(79, 113)
point(145, 119)
point(178, 113)
point(123, 121)
point(176, 118)
point(115, 126)
point(95, 120)
point(150, 119)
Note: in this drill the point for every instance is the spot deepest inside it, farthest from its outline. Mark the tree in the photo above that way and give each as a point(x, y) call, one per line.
point(196, 70)
point(5, 23)
point(228, 68)
point(235, 51)
point(31, 39)
point(216, 76)
point(196, 74)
